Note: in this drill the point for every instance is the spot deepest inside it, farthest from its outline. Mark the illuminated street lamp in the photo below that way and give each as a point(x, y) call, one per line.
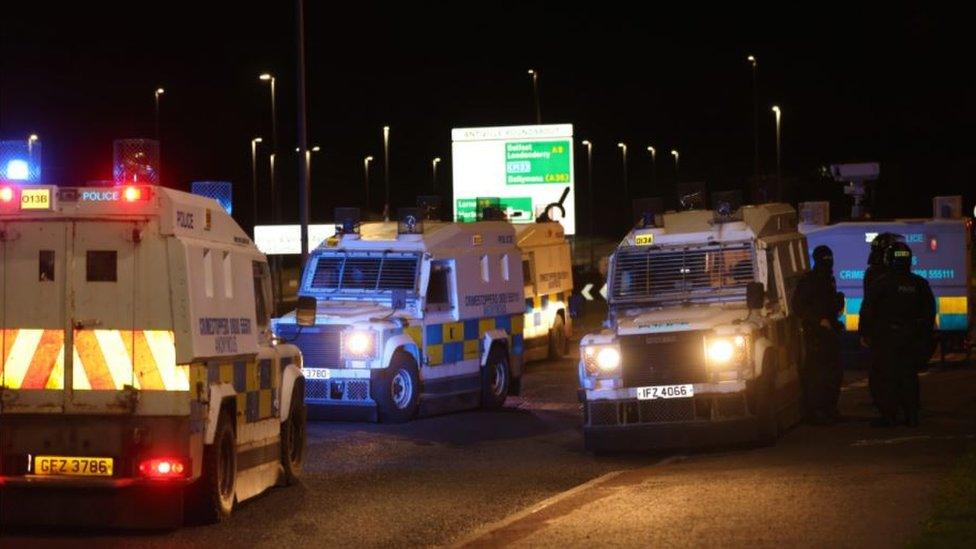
point(366, 162)
point(535, 93)
point(31, 139)
point(677, 158)
point(156, 94)
point(386, 171)
point(254, 176)
point(433, 166)
point(777, 113)
point(653, 152)
point(589, 184)
point(623, 160)
point(755, 111)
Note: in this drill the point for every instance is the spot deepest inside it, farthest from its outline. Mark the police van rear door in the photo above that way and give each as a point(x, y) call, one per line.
point(33, 318)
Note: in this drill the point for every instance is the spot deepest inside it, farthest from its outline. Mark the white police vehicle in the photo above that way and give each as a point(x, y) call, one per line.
point(699, 346)
point(415, 317)
point(138, 371)
point(548, 279)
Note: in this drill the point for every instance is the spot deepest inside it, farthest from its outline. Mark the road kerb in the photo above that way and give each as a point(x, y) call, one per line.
point(488, 530)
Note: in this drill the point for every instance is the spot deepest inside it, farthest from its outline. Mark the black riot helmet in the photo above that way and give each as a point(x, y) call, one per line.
point(880, 245)
point(823, 258)
point(898, 257)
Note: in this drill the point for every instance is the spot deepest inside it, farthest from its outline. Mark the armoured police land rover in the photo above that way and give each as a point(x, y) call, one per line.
point(699, 347)
point(415, 317)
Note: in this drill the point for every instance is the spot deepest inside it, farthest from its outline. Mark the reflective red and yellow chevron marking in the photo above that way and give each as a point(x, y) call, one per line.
point(102, 360)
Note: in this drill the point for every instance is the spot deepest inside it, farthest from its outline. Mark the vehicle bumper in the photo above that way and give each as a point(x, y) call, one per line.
point(340, 395)
point(615, 420)
point(122, 500)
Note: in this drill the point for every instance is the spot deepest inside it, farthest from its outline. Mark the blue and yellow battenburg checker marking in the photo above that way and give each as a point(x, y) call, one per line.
point(535, 305)
point(951, 313)
point(254, 381)
point(456, 341)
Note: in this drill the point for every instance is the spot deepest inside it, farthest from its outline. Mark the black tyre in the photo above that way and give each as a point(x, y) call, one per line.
point(558, 338)
point(293, 436)
point(212, 497)
point(396, 389)
point(495, 378)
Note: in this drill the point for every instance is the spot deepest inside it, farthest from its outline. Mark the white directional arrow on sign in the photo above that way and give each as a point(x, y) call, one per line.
point(586, 292)
point(603, 291)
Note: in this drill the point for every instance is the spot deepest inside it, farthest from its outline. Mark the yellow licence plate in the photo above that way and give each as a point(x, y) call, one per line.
point(73, 466)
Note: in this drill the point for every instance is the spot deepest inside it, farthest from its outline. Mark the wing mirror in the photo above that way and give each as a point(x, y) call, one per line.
point(305, 314)
point(755, 295)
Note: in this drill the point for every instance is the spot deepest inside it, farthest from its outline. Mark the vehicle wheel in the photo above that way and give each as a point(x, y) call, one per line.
point(396, 389)
point(764, 402)
point(558, 339)
point(495, 377)
point(212, 497)
point(293, 436)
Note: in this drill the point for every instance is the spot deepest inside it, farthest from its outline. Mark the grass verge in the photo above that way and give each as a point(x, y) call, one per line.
point(952, 522)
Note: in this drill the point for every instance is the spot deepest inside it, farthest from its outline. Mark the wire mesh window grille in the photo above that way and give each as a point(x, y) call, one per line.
point(682, 273)
point(368, 272)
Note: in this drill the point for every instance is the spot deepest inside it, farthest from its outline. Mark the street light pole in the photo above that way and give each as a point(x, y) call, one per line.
point(308, 162)
point(386, 171)
point(653, 152)
point(535, 94)
point(159, 91)
point(274, 142)
point(779, 174)
point(254, 177)
point(304, 168)
point(755, 112)
point(677, 158)
point(433, 165)
point(366, 162)
point(589, 184)
point(623, 160)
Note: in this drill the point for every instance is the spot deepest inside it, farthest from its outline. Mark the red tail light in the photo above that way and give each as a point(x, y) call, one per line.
point(131, 194)
point(6, 194)
point(164, 468)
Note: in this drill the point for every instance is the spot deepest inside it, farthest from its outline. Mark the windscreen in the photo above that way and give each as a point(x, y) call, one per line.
point(681, 273)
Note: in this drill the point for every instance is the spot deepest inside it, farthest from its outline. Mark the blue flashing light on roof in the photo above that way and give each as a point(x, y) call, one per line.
point(221, 191)
point(20, 161)
point(16, 170)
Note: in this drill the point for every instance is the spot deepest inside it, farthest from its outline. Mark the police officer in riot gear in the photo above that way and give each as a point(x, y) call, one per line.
point(818, 305)
point(876, 269)
point(897, 319)
point(876, 259)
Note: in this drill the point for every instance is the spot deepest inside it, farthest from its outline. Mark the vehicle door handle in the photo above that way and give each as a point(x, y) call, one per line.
point(87, 323)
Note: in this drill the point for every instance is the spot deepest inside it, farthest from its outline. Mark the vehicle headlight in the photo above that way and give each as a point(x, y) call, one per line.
point(728, 351)
point(601, 359)
point(358, 345)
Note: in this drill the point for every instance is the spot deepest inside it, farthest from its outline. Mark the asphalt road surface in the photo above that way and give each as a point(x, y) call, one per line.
point(520, 475)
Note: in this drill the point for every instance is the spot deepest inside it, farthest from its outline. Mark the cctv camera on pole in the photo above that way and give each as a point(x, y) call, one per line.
point(856, 176)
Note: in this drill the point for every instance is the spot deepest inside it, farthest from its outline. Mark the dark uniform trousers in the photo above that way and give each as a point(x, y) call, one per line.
point(822, 371)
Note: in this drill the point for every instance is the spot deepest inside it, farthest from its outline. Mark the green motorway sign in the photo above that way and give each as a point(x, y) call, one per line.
point(518, 209)
point(537, 162)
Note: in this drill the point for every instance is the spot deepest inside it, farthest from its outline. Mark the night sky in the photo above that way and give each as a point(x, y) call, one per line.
point(855, 84)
